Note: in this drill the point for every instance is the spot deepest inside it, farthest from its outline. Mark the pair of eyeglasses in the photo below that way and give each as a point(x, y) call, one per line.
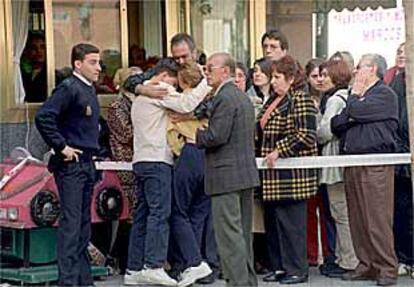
point(211, 68)
point(359, 67)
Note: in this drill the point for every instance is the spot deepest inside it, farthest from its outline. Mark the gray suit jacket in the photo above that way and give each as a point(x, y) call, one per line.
point(229, 143)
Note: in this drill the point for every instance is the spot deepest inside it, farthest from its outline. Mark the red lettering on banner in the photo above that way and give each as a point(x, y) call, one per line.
point(365, 36)
point(382, 34)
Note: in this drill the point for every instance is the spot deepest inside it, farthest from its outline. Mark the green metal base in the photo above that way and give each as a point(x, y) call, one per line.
point(41, 274)
point(34, 246)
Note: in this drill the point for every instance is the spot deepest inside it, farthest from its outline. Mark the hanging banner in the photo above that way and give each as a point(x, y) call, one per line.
point(371, 31)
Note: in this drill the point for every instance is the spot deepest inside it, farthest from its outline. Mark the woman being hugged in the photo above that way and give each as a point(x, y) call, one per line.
point(287, 128)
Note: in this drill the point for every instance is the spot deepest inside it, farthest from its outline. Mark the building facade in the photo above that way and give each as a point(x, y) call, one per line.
point(135, 32)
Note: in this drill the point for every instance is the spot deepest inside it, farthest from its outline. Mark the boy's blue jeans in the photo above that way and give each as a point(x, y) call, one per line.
point(148, 243)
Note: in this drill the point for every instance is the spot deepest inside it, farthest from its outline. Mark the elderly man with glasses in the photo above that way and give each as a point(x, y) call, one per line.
point(369, 125)
point(231, 172)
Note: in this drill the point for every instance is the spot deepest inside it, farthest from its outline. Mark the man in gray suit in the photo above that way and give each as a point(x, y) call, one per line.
point(231, 172)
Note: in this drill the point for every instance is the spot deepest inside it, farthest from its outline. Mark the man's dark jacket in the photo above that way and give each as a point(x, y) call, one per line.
point(229, 143)
point(369, 123)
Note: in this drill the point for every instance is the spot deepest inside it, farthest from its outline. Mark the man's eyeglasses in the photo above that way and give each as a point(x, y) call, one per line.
point(211, 68)
point(359, 67)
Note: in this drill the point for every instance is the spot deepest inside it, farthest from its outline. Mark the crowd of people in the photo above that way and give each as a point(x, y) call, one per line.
point(193, 132)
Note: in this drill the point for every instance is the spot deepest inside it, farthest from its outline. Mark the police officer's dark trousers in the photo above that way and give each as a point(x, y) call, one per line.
point(75, 182)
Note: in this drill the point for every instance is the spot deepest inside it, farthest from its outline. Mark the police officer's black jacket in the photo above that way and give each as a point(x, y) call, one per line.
point(70, 117)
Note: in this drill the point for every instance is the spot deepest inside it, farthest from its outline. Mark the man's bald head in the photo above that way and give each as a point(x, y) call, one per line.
point(226, 60)
point(219, 67)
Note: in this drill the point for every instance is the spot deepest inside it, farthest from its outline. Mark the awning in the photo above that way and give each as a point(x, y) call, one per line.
point(324, 6)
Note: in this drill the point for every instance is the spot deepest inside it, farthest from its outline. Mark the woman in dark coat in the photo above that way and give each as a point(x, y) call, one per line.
point(287, 128)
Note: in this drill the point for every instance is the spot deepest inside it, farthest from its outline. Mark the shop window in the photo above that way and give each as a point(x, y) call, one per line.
point(37, 16)
point(29, 46)
point(221, 26)
point(146, 26)
point(33, 68)
point(95, 22)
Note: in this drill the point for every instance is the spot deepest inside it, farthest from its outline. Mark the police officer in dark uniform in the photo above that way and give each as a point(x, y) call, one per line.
point(69, 123)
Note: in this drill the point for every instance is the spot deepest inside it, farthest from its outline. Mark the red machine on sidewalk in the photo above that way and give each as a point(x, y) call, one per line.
point(29, 211)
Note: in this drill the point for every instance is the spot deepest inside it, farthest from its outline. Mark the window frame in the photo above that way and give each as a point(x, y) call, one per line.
point(50, 44)
point(7, 67)
point(15, 112)
point(257, 27)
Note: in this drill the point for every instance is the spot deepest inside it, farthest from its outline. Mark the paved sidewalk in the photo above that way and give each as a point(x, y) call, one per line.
point(315, 279)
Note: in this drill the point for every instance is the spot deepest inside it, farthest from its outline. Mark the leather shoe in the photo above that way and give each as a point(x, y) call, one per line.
point(294, 279)
point(327, 267)
point(209, 279)
point(338, 272)
point(260, 269)
point(386, 281)
point(274, 276)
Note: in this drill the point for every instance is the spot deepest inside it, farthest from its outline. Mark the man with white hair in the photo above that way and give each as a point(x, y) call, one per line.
point(231, 172)
point(368, 125)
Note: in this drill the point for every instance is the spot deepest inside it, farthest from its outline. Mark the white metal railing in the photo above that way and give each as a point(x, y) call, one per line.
point(303, 162)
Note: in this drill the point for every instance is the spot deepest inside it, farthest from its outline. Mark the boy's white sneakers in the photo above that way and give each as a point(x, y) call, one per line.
point(403, 269)
point(132, 277)
point(192, 274)
point(148, 276)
